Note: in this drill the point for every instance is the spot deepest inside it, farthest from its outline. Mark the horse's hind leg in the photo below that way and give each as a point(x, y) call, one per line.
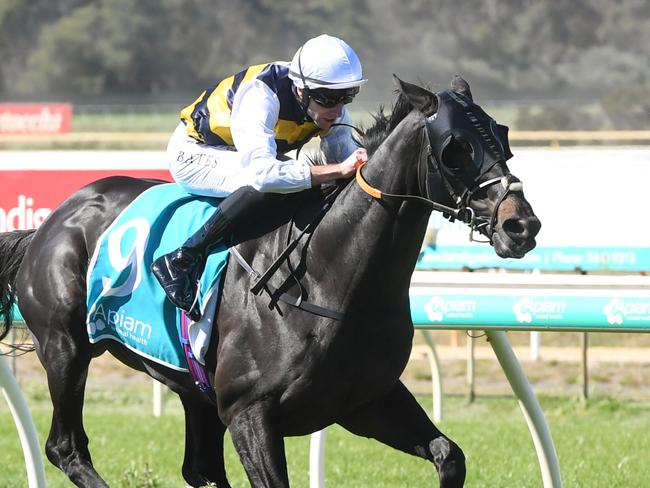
point(66, 356)
point(204, 433)
point(398, 421)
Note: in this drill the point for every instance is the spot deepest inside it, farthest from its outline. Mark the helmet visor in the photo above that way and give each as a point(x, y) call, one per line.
point(330, 98)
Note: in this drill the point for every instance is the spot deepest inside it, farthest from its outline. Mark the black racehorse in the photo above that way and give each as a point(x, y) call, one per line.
point(278, 370)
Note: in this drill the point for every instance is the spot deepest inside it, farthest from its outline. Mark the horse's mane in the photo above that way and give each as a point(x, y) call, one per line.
point(385, 123)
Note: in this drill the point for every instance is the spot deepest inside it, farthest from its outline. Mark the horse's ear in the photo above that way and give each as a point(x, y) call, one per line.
point(421, 98)
point(459, 85)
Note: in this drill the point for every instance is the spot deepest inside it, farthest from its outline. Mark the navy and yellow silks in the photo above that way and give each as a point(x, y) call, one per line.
point(125, 302)
point(208, 118)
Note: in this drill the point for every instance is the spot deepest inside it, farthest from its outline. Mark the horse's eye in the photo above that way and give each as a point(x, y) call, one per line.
point(466, 147)
point(457, 154)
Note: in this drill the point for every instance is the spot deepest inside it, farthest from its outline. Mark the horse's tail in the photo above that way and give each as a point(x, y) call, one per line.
point(13, 246)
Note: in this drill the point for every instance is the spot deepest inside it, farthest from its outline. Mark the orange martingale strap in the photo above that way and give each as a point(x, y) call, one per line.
point(365, 186)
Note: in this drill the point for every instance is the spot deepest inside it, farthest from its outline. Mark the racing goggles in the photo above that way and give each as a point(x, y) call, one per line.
point(330, 98)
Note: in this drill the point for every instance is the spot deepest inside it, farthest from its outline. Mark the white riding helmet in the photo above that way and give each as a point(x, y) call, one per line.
point(326, 62)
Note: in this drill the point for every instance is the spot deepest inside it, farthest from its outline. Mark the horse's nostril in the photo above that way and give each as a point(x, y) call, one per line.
point(514, 227)
point(522, 228)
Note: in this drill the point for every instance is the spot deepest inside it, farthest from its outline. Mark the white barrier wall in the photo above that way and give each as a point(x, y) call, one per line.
point(35, 182)
point(591, 203)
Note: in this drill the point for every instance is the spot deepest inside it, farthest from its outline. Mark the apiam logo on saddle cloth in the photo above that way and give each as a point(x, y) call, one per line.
point(124, 301)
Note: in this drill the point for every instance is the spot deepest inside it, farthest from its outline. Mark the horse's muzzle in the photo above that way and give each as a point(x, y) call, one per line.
point(515, 236)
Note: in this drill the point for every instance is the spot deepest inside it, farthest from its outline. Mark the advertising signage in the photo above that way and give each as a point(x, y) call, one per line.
point(35, 183)
point(35, 118)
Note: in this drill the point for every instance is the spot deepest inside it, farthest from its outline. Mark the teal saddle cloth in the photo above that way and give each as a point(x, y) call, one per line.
point(125, 302)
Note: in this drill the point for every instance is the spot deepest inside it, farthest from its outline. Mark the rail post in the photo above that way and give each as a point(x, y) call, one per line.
point(24, 425)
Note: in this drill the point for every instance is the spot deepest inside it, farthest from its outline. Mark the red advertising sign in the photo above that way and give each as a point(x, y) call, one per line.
point(35, 118)
point(28, 197)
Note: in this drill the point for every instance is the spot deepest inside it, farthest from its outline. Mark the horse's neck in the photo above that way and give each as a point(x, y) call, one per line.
point(381, 241)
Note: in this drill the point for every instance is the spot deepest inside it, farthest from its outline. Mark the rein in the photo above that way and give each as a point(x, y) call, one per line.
point(380, 195)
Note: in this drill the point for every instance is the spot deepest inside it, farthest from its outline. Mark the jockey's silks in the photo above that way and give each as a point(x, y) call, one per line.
point(208, 118)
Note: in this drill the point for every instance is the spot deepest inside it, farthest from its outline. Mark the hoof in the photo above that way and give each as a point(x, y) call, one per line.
point(449, 461)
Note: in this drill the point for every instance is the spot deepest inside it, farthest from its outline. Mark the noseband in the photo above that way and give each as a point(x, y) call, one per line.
point(489, 147)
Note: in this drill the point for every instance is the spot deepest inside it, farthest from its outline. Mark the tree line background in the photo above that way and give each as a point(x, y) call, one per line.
point(565, 63)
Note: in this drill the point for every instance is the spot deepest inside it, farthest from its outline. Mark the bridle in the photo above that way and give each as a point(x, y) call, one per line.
point(432, 171)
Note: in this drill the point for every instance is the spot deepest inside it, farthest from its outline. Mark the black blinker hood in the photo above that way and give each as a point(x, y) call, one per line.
point(460, 118)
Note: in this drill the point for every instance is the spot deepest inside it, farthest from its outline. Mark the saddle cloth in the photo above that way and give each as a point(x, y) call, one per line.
point(125, 302)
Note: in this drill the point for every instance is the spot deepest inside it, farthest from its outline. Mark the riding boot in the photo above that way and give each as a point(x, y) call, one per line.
point(179, 271)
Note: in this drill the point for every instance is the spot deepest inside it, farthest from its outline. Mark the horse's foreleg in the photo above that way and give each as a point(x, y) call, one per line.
point(204, 431)
point(66, 363)
point(398, 421)
point(260, 447)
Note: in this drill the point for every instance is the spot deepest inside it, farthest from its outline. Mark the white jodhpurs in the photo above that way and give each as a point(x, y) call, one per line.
point(204, 170)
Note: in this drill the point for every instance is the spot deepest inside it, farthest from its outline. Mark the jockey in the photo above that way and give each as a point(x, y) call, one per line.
point(232, 142)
